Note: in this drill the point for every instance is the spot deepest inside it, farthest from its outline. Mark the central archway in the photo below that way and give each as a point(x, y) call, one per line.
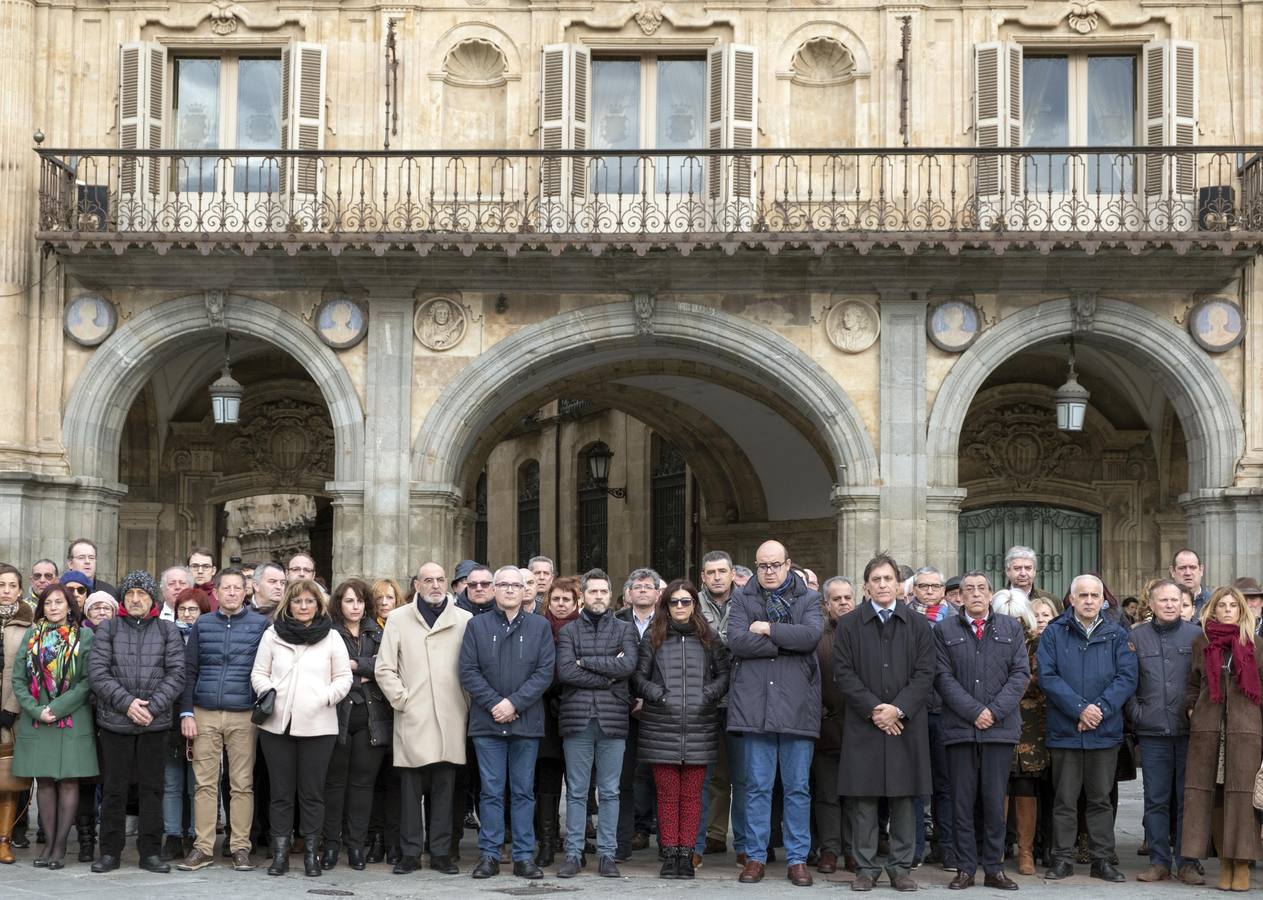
point(602, 336)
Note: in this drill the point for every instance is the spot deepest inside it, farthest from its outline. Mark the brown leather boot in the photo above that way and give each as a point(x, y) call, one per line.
point(1227, 869)
point(8, 814)
point(1027, 815)
point(1241, 875)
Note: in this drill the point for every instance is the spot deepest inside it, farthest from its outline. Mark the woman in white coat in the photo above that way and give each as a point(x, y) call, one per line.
point(305, 662)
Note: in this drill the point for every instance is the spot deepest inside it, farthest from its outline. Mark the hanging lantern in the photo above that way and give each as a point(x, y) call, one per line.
point(1072, 402)
point(226, 393)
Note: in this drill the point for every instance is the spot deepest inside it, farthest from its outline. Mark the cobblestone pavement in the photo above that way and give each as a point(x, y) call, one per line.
point(717, 878)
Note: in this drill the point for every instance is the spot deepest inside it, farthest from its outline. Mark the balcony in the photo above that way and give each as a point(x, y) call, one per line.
point(1138, 197)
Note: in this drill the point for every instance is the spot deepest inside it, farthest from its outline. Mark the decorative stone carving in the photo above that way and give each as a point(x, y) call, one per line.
point(1020, 444)
point(1084, 305)
point(287, 439)
point(649, 16)
point(440, 323)
point(341, 322)
point(823, 60)
point(1082, 16)
point(1216, 324)
point(89, 319)
point(852, 325)
point(953, 325)
point(215, 307)
point(475, 61)
point(644, 304)
point(223, 18)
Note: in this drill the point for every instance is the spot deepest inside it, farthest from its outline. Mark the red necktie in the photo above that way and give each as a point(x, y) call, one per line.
point(979, 625)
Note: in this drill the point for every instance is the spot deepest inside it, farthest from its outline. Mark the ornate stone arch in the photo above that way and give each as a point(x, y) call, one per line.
point(542, 354)
point(1205, 404)
point(120, 367)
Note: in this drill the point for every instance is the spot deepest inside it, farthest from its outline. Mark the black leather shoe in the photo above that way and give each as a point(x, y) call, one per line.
point(488, 867)
point(526, 868)
point(962, 880)
point(1106, 871)
point(330, 857)
point(406, 865)
point(280, 856)
point(311, 856)
point(1059, 869)
point(607, 868)
point(1000, 882)
point(376, 850)
point(40, 862)
point(570, 866)
point(155, 864)
point(444, 864)
point(58, 863)
point(393, 855)
point(172, 848)
point(106, 863)
point(20, 841)
point(355, 859)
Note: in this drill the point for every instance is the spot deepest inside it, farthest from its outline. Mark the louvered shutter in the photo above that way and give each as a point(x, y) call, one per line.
point(1170, 115)
point(302, 119)
point(565, 118)
point(141, 116)
point(998, 115)
point(731, 109)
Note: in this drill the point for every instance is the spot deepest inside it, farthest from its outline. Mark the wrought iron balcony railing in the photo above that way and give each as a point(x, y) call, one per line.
point(350, 198)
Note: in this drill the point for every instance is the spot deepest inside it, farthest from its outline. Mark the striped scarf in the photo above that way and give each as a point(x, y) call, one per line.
point(52, 663)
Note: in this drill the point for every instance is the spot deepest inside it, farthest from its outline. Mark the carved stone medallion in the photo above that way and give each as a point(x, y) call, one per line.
point(440, 323)
point(852, 325)
point(341, 322)
point(89, 319)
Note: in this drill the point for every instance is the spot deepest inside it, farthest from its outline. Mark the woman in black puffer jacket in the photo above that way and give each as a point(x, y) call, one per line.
point(682, 674)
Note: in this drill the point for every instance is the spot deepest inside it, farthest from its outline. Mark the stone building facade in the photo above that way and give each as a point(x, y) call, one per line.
point(449, 243)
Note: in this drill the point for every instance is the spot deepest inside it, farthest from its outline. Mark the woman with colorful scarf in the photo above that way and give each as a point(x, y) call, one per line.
point(1225, 740)
point(55, 741)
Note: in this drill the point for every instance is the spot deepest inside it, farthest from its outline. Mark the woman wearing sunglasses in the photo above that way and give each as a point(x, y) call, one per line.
point(682, 675)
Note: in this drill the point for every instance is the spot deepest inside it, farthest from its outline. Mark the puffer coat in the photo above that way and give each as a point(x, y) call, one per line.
point(595, 677)
point(682, 682)
point(218, 658)
point(136, 659)
point(364, 690)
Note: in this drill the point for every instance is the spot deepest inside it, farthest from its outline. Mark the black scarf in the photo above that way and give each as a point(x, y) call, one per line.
point(686, 627)
point(429, 611)
point(292, 632)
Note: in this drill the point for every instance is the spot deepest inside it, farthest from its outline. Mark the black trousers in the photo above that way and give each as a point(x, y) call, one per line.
point(1090, 772)
point(438, 781)
point(349, 788)
point(386, 792)
point(128, 759)
point(297, 767)
point(980, 780)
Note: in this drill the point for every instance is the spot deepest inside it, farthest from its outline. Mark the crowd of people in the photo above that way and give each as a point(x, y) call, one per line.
point(879, 724)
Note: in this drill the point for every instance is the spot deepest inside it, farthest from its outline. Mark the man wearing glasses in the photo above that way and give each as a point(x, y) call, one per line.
point(43, 573)
point(774, 703)
point(480, 594)
point(506, 665)
point(301, 568)
point(81, 557)
point(202, 564)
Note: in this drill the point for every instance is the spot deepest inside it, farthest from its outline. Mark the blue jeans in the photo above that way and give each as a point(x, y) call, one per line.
point(763, 753)
point(1164, 759)
point(511, 759)
point(582, 750)
point(734, 747)
point(177, 784)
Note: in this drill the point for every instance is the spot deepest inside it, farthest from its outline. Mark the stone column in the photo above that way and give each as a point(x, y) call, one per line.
point(434, 510)
point(40, 515)
point(1226, 528)
point(942, 529)
point(859, 527)
point(1250, 470)
point(348, 533)
point(17, 225)
point(388, 436)
point(904, 466)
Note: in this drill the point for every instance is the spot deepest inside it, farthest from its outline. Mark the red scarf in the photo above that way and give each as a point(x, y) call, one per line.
point(1223, 638)
point(557, 623)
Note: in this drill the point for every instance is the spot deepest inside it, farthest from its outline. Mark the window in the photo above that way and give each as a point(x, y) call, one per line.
point(1079, 99)
point(480, 517)
point(527, 511)
point(667, 509)
point(227, 102)
point(594, 516)
point(649, 102)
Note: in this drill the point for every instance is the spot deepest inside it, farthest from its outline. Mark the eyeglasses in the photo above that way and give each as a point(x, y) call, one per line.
point(481, 585)
point(644, 587)
point(79, 589)
point(40, 576)
point(434, 580)
point(84, 557)
point(928, 587)
point(189, 611)
point(296, 570)
point(507, 585)
point(770, 567)
point(200, 566)
point(680, 601)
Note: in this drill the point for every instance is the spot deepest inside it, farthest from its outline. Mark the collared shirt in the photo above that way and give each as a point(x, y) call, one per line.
point(166, 614)
point(1088, 629)
point(641, 625)
point(877, 607)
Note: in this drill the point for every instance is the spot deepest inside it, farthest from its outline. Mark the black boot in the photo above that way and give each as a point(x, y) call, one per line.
point(546, 828)
point(86, 828)
point(684, 862)
point(280, 856)
point(311, 856)
point(668, 864)
point(330, 858)
point(376, 848)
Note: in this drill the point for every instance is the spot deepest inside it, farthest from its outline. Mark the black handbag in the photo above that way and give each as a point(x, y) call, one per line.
point(263, 707)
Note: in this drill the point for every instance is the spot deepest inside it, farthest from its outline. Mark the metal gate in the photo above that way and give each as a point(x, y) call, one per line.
point(667, 532)
point(527, 511)
point(1066, 542)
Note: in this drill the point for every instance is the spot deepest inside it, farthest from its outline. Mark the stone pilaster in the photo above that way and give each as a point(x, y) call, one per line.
point(903, 427)
point(859, 518)
point(942, 529)
point(41, 514)
point(434, 511)
point(1250, 470)
point(1226, 528)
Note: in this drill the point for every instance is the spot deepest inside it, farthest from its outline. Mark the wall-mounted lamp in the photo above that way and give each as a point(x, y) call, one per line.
point(599, 457)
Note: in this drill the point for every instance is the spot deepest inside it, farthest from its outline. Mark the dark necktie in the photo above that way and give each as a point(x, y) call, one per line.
point(884, 614)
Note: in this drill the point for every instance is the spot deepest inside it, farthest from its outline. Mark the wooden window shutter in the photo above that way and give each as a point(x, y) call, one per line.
point(303, 67)
point(1170, 89)
point(142, 114)
point(998, 114)
point(564, 117)
point(731, 104)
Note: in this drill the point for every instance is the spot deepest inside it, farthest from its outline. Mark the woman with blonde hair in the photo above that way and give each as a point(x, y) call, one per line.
point(1225, 739)
point(386, 596)
point(303, 666)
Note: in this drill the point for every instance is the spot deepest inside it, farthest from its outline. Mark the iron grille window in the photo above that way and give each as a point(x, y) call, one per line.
point(594, 517)
point(480, 518)
point(527, 511)
point(1066, 542)
point(667, 528)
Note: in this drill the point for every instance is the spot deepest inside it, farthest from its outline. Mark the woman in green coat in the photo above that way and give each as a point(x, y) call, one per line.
point(55, 742)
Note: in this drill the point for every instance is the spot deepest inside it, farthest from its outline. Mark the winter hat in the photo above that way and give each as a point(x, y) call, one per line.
point(100, 597)
point(70, 576)
point(143, 580)
point(463, 568)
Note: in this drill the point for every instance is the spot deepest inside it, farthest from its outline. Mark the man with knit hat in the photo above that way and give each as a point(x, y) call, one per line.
point(137, 673)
